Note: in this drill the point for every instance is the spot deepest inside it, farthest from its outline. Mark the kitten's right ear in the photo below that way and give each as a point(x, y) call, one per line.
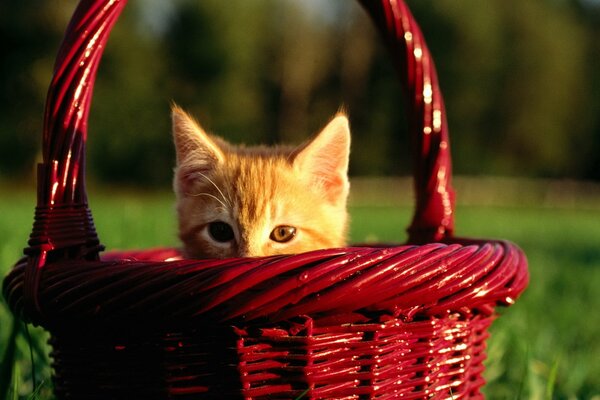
point(197, 153)
point(324, 159)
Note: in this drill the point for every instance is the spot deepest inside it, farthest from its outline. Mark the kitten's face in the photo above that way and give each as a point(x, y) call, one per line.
point(240, 202)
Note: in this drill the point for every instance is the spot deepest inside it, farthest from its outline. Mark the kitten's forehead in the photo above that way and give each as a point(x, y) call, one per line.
point(257, 185)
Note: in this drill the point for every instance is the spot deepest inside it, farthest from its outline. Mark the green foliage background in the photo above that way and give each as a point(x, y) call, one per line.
point(521, 82)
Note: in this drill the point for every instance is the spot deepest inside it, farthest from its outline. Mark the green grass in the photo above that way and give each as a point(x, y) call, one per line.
point(545, 346)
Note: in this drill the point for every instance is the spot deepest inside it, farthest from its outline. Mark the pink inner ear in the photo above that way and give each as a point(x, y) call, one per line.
point(334, 185)
point(325, 162)
point(187, 178)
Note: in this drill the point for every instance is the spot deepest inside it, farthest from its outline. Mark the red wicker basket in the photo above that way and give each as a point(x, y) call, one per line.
point(354, 323)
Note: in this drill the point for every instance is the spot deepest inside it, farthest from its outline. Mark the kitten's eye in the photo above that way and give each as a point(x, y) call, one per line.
point(283, 233)
point(221, 231)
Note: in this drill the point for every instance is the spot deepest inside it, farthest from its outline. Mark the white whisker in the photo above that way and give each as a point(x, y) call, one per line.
point(210, 195)
point(216, 187)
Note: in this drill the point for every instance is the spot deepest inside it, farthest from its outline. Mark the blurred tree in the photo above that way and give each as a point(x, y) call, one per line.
point(372, 93)
point(129, 132)
point(305, 54)
point(514, 80)
point(589, 145)
point(465, 41)
point(29, 35)
point(217, 58)
point(544, 89)
point(520, 79)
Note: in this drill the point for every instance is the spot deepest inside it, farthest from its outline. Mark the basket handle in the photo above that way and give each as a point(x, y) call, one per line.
point(63, 227)
point(63, 219)
point(433, 219)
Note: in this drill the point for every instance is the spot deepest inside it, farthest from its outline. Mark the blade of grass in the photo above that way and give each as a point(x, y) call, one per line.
point(551, 384)
point(15, 382)
point(521, 386)
point(302, 394)
point(29, 341)
point(36, 393)
point(8, 362)
point(39, 350)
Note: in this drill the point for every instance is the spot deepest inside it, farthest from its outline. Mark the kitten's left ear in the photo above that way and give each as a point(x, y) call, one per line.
point(198, 155)
point(192, 144)
point(325, 159)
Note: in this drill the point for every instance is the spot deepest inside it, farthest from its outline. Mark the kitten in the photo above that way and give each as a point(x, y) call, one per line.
point(235, 201)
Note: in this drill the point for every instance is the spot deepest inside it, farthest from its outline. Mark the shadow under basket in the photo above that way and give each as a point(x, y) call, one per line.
point(378, 322)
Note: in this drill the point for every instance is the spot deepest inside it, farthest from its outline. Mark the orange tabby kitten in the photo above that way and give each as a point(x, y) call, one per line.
point(235, 201)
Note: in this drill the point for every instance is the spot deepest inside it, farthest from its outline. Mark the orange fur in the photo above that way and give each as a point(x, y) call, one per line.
point(256, 189)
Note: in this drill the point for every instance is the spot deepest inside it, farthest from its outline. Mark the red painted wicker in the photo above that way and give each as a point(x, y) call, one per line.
point(355, 323)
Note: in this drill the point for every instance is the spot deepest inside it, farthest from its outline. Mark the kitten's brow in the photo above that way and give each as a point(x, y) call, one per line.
point(210, 195)
point(218, 189)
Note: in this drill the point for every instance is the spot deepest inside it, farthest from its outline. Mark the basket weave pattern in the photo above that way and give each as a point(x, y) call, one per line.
point(354, 323)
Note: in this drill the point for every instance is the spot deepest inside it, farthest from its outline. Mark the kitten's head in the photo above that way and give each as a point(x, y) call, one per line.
point(256, 201)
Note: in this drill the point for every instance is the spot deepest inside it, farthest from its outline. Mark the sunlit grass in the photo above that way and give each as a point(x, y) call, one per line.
point(545, 346)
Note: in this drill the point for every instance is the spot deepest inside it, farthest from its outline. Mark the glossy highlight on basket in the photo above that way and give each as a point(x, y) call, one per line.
point(381, 322)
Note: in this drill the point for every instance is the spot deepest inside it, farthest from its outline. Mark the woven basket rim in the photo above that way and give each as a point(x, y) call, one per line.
point(406, 281)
